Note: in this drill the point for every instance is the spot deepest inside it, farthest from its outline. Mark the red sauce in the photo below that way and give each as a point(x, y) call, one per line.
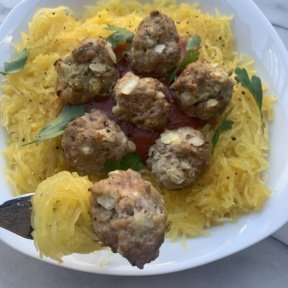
point(122, 58)
point(143, 139)
point(105, 105)
point(182, 46)
point(177, 117)
point(119, 50)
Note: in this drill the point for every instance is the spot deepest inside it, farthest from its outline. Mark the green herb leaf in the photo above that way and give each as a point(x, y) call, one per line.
point(17, 64)
point(57, 126)
point(193, 42)
point(191, 55)
point(225, 125)
point(254, 85)
point(129, 161)
point(173, 75)
point(121, 35)
point(111, 165)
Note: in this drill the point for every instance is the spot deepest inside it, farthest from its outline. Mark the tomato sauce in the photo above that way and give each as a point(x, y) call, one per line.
point(143, 139)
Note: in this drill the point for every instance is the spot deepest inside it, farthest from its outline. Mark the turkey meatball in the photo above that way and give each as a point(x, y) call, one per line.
point(203, 91)
point(90, 140)
point(89, 72)
point(155, 50)
point(178, 157)
point(141, 101)
point(128, 216)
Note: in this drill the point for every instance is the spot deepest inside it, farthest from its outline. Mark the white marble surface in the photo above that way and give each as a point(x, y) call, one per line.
point(262, 265)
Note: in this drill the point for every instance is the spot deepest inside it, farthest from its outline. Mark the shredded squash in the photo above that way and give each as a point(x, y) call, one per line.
point(232, 185)
point(62, 216)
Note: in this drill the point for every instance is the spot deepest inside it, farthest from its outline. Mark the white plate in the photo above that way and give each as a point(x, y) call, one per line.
point(255, 36)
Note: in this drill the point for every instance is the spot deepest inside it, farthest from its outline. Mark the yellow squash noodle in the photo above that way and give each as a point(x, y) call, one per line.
point(62, 216)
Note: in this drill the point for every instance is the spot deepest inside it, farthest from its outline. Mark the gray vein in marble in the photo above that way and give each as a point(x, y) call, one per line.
point(276, 11)
point(282, 235)
point(283, 33)
point(3, 12)
point(279, 26)
point(279, 240)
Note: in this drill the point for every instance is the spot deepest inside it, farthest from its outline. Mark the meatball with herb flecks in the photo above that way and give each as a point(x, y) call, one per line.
point(92, 139)
point(203, 90)
point(155, 50)
point(141, 101)
point(128, 216)
point(178, 157)
point(88, 73)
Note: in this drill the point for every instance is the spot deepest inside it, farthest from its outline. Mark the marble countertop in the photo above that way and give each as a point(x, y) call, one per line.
point(262, 265)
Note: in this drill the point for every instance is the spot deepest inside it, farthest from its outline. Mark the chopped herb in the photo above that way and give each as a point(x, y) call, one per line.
point(57, 126)
point(254, 85)
point(17, 64)
point(121, 35)
point(225, 125)
point(191, 55)
point(129, 161)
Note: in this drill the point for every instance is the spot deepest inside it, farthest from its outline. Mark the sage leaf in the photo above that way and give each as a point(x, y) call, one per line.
point(191, 55)
point(193, 42)
point(121, 35)
point(129, 161)
point(56, 127)
point(17, 64)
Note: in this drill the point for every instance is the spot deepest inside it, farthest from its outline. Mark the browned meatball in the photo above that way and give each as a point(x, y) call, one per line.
point(155, 50)
point(89, 72)
point(203, 91)
point(141, 101)
point(178, 157)
point(128, 216)
point(90, 140)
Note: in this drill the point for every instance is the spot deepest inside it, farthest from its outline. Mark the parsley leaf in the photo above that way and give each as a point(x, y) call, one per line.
point(254, 85)
point(17, 64)
point(129, 161)
point(225, 125)
point(191, 55)
point(121, 35)
point(56, 127)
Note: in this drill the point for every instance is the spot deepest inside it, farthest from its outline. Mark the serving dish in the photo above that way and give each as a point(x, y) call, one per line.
point(271, 62)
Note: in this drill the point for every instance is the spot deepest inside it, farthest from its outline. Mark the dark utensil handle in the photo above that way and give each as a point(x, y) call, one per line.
point(15, 216)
